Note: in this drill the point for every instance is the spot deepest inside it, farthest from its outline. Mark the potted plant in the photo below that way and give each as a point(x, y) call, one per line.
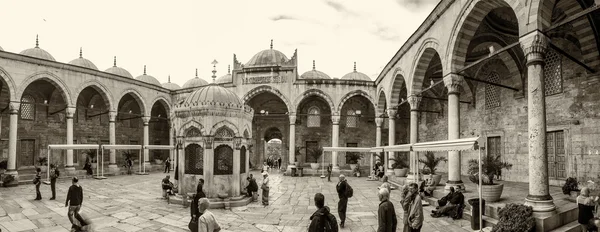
point(431, 162)
point(157, 157)
point(356, 170)
point(400, 167)
point(92, 155)
point(571, 188)
point(490, 166)
point(353, 158)
point(515, 217)
point(7, 180)
point(315, 153)
point(297, 154)
point(42, 161)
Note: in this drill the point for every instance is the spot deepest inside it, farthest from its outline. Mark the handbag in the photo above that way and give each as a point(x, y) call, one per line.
point(193, 225)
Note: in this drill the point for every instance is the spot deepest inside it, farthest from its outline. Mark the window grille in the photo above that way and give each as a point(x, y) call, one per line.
point(27, 107)
point(492, 92)
point(314, 119)
point(223, 164)
point(351, 119)
point(224, 132)
point(194, 159)
point(553, 81)
point(243, 160)
point(193, 132)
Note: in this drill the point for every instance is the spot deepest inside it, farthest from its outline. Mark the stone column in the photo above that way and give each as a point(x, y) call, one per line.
point(534, 46)
point(335, 137)
point(69, 168)
point(378, 123)
point(180, 163)
point(235, 184)
point(391, 140)
point(147, 165)
point(414, 101)
point(292, 143)
point(453, 82)
point(112, 140)
point(209, 157)
point(11, 168)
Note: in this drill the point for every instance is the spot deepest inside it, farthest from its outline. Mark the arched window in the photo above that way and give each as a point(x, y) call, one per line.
point(243, 160)
point(314, 119)
point(193, 132)
point(194, 159)
point(223, 164)
point(28, 107)
point(553, 73)
point(351, 119)
point(492, 92)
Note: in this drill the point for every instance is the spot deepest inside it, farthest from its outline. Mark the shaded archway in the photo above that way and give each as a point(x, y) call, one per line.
point(357, 127)
point(270, 111)
point(273, 146)
point(159, 128)
point(394, 92)
point(313, 126)
point(91, 121)
point(129, 124)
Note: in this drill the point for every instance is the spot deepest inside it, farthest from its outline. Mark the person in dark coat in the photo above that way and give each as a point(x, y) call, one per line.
point(74, 202)
point(88, 167)
point(455, 199)
point(329, 169)
point(54, 174)
point(322, 220)
point(194, 211)
point(386, 214)
point(38, 181)
point(167, 165)
point(279, 163)
point(341, 188)
point(252, 185)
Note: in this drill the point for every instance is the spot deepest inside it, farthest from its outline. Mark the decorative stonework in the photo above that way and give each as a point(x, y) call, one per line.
point(335, 119)
point(391, 113)
point(70, 111)
point(379, 122)
point(208, 142)
point(237, 143)
point(146, 120)
point(293, 119)
point(112, 116)
point(14, 107)
point(534, 46)
point(262, 80)
point(414, 101)
point(453, 82)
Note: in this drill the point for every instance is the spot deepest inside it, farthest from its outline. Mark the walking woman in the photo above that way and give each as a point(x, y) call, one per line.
point(265, 188)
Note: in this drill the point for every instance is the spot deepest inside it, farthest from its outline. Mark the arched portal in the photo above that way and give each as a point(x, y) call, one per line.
point(91, 121)
point(273, 146)
point(357, 122)
point(129, 124)
point(159, 128)
point(313, 126)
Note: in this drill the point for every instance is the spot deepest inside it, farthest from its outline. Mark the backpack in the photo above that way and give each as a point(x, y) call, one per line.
point(349, 191)
point(331, 223)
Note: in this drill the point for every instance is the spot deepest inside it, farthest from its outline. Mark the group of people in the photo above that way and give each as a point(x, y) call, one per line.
point(37, 181)
point(252, 187)
point(273, 162)
point(201, 220)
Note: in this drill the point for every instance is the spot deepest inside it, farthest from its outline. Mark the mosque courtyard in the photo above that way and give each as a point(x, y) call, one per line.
point(133, 203)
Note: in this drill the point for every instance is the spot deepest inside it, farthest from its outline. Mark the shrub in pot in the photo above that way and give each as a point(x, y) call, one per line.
point(431, 162)
point(7, 180)
point(315, 153)
point(91, 154)
point(490, 166)
point(353, 158)
point(515, 217)
point(400, 167)
point(42, 162)
point(571, 188)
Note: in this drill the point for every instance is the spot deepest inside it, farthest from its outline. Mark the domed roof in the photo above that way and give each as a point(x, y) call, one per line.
point(356, 75)
point(37, 52)
point(83, 62)
point(170, 86)
point(1, 49)
point(269, 57)
point(195, 82)
point(147, 78)
point(118, 71)
point(213, 93)
point(314, 74)
point(227, 78)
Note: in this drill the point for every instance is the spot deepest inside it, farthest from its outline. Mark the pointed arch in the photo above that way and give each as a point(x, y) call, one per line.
point(355, 93)
point(381, 102)
point(318, 93)
point(52, 79)
point(426, 53)
point(265, 88)
point(396, 88)
point(247, 132)
point(165, 103)
point(101, 89)
point(12, 88)
point(193, 123)
point(227, 124)
point(138, 97)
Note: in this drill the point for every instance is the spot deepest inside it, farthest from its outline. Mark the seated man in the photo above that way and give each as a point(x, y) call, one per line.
point(252, 185)
point(426, 188)
point(455, 200)
point(380, 172)
point(167, 185)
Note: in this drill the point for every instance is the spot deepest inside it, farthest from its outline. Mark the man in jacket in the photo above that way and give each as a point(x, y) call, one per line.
point(455, 199)
point(415, 209)
point(37, 180)
point(74, 201)
point(54, 174)
point(322, 220)
point(341, 188)
point(386, 214)
point(252, 185)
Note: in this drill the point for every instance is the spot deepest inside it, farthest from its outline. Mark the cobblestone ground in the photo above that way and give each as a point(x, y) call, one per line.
point(133, 203)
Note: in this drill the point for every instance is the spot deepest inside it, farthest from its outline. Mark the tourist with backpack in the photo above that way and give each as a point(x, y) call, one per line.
point(37, 181)
point(322, 220)
point(344, 191)
point(54, 174)
point(386, 214)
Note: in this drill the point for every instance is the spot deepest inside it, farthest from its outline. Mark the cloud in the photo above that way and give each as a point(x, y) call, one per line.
point(386, 33)
point(340, 8)
point(283, 17)
point(416, 4)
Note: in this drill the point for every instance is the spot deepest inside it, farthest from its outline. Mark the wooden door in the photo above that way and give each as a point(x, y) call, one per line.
point(27, 153)
point(557, 159)
point(495, 149)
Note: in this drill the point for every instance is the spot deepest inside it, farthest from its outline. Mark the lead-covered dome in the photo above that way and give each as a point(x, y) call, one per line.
point(227, 78)
point(314, 74)
point(354, 75)
point(147, 78)
point(170, 86)
point(269, 57)
point(1, 49)
point(118, 71)
point(37, 52)
point(213, 94)
point(83, 62)
point(195, 82)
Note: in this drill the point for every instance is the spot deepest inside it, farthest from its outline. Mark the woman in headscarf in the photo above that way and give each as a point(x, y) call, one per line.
point(586, 204)
point(265, 189)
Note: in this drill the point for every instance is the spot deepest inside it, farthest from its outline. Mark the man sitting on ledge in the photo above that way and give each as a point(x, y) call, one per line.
point(167, 186)
point(455, 199)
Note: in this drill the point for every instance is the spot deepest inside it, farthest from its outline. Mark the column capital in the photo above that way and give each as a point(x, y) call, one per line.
point(237, 143)
point(453, 82)
point(14, 107)
point(292, 119)
point(414, 101)
point(379, 121)
point(391, 113)
point(146, 120)
point(208, 142)
point(534, 46)
point(112, 116)
point(335, 119)
point(70, 111)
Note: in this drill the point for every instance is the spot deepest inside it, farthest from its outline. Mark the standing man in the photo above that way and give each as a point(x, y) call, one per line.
point(415, 209)
point(386, 214)
point(322, 220)
point(329, 167)
point(207, 222)
point(74, 201)
point(279, 162)
point(37, 180)
point(342, 188)
point(167, 165)
point(54, 173)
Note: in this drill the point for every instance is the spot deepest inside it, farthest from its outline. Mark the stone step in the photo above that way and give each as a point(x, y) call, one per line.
point(571, 227)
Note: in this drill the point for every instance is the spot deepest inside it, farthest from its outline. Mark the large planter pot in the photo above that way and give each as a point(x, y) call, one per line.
point(400, 172)
point(435, 179)
point(158, 161)
point(573, 196)
point(492, 193)
point(314, 166)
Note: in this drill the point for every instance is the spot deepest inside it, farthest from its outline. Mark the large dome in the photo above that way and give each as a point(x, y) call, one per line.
point(314, 74)
point(170, 86)
point(37, 52)
point(213, 94)
point(1, 49)
point(227, 78)
point(118, 71)
point(269, 57)
point(83, 62)
point(354, 75)
point(195, 82)
point(148, 79)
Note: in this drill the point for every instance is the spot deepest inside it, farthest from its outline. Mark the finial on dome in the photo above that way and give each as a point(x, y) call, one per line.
point(354, 66)
point(115, 62)
point(196, 73)
point(169, 79)
point(37, 44)
point(271, 43)
point(80, 52)
point(313, 64)
point(228, 69)
point(144, 69)
point(214, 71)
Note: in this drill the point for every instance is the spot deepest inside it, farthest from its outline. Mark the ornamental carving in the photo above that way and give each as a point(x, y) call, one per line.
point(146, 120)
point(534, 46)
point(335, 119)
point(262, 80)
point(112, 116)
point(453, 83)
point(391, 113)
point(223, 163)
point(414, 101)
point(14, 107)
point(208, 142)
point(237, 143)
point(379, 122)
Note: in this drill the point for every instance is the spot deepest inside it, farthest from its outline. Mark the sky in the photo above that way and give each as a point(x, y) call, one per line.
point(176, 37)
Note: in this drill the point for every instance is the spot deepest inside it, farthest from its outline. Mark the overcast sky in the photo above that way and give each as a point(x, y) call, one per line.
point(176, 37)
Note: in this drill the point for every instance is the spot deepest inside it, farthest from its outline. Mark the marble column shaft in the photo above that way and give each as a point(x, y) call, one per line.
point(292, 142)
point(453, 84)
point(70, 112)
point(146, 120)
point(378, 123)
point(12, 139)
point(335, 137)
point(414, 130)
point(112, 139)
point(391, 138)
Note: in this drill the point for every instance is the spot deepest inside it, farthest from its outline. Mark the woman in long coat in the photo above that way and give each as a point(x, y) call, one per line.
point(265, 189)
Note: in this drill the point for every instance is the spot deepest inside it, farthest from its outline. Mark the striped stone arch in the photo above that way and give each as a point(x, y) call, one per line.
point(509, 59)
point(399, 82)
point(164, 101)
point(102, 90)
point(427, 51)
point(137, 96)
point(265, 88)
point(12, 89)
point(315, 92)
point(382, 102)
point(191, 124)
point(355, 93)
point(227, 124)
point(470, 17)
point(52, 79)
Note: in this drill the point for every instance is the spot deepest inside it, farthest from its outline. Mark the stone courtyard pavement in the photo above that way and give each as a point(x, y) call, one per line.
point(133, 203)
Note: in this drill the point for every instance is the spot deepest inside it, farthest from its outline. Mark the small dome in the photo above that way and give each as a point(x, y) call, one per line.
point(225, 78)
point(1, 49)
point(195, 82)
point(147, 78)
point(118, 71)
point(314, 74)
point(213, 93)
point(83, 62)
point(269, 57)
point(170, 86)
point(37, 52)
point(354, 75)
